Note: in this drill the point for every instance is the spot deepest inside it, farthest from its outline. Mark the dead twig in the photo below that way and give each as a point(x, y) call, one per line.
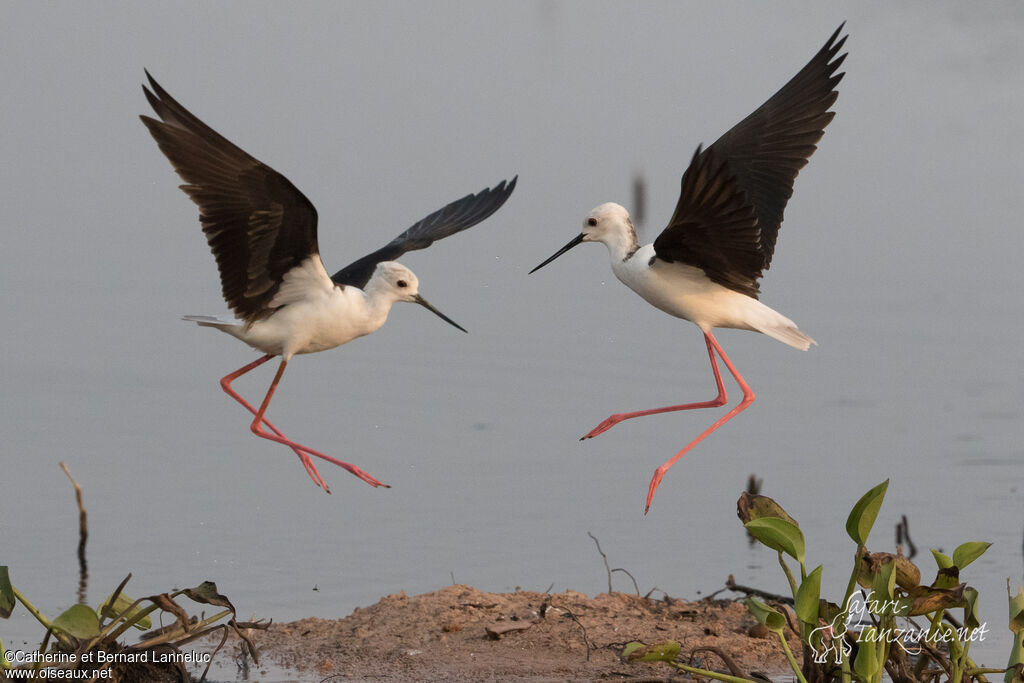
point(569, 612)
point(731, 584)
point(711, 596)
point(635, 586)
point(83, 536)
point(734, 668)
point(903, 534)
point(609, 570)
point(603, 557)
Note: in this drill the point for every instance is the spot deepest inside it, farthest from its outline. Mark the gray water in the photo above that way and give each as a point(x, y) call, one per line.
point(899, 255)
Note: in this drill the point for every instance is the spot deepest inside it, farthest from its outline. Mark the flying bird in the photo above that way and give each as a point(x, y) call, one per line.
point(705, 265)
point(263, 234)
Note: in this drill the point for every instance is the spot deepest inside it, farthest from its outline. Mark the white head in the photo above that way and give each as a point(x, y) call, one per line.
point(393, 278)
point(608, 223)
point(395, 282)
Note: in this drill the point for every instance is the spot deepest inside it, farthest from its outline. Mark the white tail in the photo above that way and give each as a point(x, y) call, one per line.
point(210, 321)
point(789, 334)
point(769, 321)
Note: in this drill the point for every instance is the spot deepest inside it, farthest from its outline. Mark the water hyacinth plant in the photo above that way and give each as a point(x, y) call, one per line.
point(893, 644)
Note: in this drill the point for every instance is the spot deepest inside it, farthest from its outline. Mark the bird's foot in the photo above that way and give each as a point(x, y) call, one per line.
point(655, 481)
point(603, 427)
point(372, 481)
point(365, 477)
point(305, 451)
point(307, 462)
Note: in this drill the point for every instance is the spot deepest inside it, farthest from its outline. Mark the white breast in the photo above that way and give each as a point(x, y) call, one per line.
point(318, 322)
point(686, 292)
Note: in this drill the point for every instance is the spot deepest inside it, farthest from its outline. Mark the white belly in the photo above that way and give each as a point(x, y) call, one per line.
point(685, 292)
point(315, 324)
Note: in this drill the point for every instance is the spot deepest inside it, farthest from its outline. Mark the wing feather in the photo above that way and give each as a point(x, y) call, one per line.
point(455, 217)
point(755, 164)
point(258, 225)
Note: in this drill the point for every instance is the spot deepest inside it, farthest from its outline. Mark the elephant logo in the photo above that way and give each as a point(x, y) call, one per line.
point(832, 639)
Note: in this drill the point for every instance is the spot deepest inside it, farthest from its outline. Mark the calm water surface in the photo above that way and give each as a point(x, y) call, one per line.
point(899, 255)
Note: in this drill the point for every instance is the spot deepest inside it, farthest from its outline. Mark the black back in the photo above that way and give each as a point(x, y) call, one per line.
point(734, 192)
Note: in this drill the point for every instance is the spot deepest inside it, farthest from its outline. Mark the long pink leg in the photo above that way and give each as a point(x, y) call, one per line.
point(299, 449)
point(719, 400)
point(748, 398)
point(257, 429)
point(225, 384)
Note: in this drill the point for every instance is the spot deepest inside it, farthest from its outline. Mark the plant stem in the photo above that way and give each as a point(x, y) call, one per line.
point(845, 606)
point(789, 575)
point(173, 635)
point(711, 674)
point(41, 618)
point(791, 658)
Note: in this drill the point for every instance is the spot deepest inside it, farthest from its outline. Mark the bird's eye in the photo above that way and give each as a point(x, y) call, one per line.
point(402, 283)
point(592, 222)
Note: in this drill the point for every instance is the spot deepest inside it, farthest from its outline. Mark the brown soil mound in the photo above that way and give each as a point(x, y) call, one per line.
point(462, 634)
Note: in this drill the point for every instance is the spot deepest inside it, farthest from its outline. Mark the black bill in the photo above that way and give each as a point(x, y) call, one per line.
point(425, 304)
point(575, 240)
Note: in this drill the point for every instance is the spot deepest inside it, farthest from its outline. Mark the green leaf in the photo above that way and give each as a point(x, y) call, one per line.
point(79, 621)
point(123, 602)
point(631, 648)
point(943, 561)
point(828, 611)
point(971, 609)
point(969, 552)
point(1016, 609)
point(866, 664)
point(6, 593)
point(947, 578)
point(766, 615)
point(778, 534)
point(754, 506)
point(884, 582)
point(1015, 669)
point(807, 597)
point(1015, 665)
point(862, 516)
point(206, 592)
point(665, 651)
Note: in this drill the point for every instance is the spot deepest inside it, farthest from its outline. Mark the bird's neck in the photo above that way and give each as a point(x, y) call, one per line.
point(378, 303)
point(621, 243)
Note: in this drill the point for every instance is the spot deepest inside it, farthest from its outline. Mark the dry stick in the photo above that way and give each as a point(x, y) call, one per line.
point(83, 536)
point(730, 663)
point(605, 558)
point(903, 533)
point(731, 584)
point(635, 586)
point(568, 611)
point(609, 570)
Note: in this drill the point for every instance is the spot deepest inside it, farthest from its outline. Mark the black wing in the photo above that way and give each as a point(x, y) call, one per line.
point(259, 226)
point(459, 215)
point(753, 164)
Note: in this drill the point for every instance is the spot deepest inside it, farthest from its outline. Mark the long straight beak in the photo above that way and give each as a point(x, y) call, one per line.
point(575, 240)
point(425, 304)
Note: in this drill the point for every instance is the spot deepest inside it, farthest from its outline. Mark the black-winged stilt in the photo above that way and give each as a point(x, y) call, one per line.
point(705, 265)
point(262, 231)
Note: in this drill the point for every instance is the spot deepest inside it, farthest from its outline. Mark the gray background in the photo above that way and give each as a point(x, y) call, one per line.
point(899, 254)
